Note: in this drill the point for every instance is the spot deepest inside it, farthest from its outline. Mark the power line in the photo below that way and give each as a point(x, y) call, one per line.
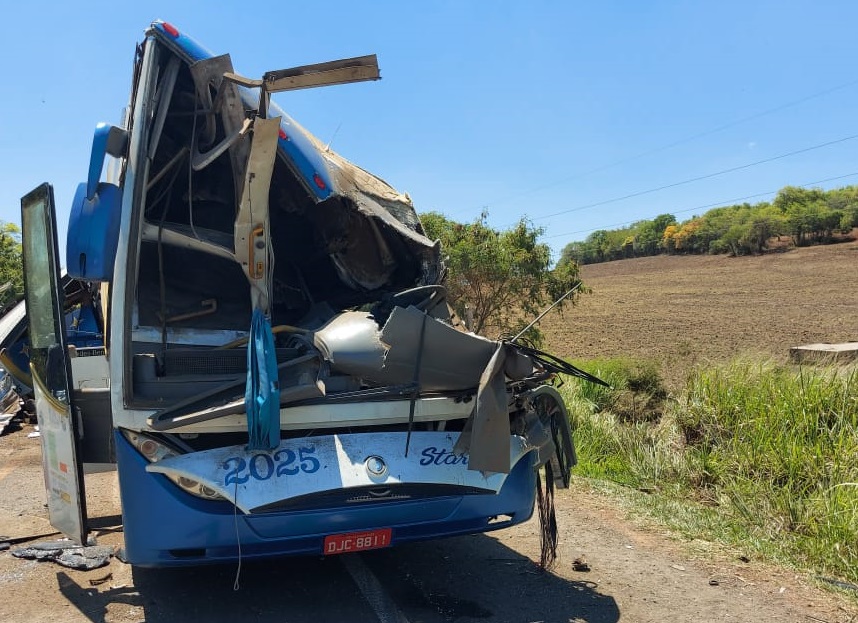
point(717, 204)
point(696, 179)
point(671, 145)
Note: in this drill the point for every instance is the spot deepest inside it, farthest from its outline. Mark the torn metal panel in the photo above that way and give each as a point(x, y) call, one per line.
point(487, 441)
point(330, 415)
point(351, 342)
point(13, 346)
point(343, 71)
point(253, 245)
point(452, 360)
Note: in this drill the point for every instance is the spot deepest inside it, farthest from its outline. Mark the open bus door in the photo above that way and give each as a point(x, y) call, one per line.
point(50, 366)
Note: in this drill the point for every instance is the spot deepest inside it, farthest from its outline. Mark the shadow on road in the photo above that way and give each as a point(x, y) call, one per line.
point(289, 589)
point(478, 578)
point(472, 578)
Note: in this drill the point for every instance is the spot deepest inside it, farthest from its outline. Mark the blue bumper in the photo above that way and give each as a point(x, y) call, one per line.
point(164, 526)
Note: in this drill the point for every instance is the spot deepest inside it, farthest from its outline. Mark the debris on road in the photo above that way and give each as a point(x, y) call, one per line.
point(839, 583)
point(67, 554)
point(580, 564)
point(101, 580)
point(10, 421)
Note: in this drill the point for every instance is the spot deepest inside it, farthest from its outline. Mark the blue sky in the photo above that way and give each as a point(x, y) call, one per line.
point(519, 108)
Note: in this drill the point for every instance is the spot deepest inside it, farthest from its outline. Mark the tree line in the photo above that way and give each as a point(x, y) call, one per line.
point(805, 215)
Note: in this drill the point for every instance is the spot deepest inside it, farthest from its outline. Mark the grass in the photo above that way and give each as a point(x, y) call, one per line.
point(755, 454)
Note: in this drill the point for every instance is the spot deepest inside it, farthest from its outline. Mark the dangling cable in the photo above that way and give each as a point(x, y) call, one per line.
point(236, 586)
point(547, 519)
point(415, 392)
point(162, 288)
point(191, 172)
point(162, 283)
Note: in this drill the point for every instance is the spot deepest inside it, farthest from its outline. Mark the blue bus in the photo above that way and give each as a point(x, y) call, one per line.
point(281, 372)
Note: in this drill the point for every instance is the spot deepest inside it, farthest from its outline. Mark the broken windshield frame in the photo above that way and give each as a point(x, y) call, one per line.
point(311, 267)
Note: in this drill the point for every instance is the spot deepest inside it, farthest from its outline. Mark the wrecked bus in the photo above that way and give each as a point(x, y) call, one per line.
point(283, 374)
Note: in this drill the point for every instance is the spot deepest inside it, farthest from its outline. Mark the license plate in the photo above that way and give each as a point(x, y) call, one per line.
point(357, 541)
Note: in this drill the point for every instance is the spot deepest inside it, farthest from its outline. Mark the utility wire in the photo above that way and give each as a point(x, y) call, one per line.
point(723, 203)
point(671, 145)
point(696, 179)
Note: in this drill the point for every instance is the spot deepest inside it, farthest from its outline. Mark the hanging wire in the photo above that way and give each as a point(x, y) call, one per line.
point(191, 171)
point(235, 585)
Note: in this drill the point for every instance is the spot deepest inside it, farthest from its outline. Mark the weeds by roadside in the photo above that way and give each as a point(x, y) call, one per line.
point(754, 454)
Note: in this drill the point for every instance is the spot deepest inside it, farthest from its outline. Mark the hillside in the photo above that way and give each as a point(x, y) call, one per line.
point(684, 310)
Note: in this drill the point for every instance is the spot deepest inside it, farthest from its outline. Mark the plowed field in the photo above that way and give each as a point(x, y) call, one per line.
point(685, 310)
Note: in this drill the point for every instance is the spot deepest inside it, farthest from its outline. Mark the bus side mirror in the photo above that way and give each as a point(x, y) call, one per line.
point(108, 139)
point(93, 231)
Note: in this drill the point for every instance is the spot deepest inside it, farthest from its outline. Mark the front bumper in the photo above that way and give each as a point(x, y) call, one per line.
point(164, 526)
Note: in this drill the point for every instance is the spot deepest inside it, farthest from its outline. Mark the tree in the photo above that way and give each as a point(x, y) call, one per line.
point(845, 200)
point(795, 195)
point(735, 239)
point(504, 277)
point(11, 267)
point(576, 252)
point(668, 240)
point(648, 234)
point(598, 240)
point(686, 239)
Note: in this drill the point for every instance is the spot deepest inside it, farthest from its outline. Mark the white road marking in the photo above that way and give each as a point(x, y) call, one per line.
point(382, 603)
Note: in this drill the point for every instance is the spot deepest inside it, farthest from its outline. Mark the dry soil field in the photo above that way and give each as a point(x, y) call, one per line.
point(685, 310)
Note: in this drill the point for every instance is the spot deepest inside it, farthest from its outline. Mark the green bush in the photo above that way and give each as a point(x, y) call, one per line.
point(636, 391)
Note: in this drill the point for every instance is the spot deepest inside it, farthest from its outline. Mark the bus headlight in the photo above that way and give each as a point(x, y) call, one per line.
point(154, 450)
